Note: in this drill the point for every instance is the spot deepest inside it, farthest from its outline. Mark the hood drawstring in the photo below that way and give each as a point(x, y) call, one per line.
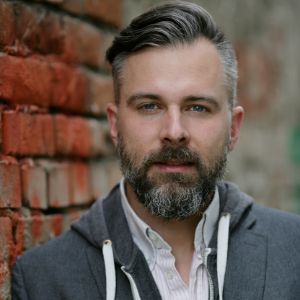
point(110, 272)
point(223, 237)
point(134, 290)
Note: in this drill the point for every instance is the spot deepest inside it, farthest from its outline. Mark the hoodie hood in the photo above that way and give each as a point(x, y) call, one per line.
point(105, 220)
point(234, 202)
point(105, 226)
point(100, 223)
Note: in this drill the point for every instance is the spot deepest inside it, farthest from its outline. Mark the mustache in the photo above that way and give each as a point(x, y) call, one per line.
point(169, 154)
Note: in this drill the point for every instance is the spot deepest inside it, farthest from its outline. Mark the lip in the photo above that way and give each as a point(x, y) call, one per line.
point(174, 167)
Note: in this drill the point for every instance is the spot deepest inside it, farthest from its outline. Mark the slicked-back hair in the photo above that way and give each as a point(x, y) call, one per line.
point(172, 24)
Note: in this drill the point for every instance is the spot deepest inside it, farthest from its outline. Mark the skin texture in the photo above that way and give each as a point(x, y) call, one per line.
point(174, 96)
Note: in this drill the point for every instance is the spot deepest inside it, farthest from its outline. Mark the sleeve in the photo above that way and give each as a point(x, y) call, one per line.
point(18, 287)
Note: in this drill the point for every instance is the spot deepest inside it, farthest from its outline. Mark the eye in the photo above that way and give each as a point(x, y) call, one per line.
point(198, 108)
point(148, 107)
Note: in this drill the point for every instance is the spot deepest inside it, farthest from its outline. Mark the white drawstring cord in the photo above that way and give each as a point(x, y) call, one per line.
point(110, 272)
point(223, 237)
point(134, 290)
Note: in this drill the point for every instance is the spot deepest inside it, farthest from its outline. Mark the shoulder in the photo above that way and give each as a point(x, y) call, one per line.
point(274, 218)
point(55, 253)
point(280, 228)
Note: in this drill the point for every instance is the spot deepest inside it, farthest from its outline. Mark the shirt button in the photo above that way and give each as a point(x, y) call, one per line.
point(152, 236)
point(169, 275)
point(155, 240)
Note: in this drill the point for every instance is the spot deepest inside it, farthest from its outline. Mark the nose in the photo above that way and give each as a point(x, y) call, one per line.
point(173, 131)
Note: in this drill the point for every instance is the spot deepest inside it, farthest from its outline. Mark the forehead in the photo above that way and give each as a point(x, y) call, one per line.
point(194, 67)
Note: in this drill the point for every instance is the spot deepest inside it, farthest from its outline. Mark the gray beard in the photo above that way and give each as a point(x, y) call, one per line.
point(172, 195)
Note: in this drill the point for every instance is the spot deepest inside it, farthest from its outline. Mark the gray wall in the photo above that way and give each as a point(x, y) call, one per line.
point(266, 34)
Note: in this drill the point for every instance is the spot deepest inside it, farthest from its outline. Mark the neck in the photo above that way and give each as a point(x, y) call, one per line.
point(172, 231)
point(179, 234)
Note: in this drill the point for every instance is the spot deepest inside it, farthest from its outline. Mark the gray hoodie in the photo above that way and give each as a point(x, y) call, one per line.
point(263, 258)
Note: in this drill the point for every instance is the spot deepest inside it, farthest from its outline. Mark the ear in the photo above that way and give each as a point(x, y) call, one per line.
point(236, 122)
point(112, 116)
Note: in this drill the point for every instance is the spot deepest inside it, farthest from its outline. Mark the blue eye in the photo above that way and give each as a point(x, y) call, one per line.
point(149, 106)
point(198, 108)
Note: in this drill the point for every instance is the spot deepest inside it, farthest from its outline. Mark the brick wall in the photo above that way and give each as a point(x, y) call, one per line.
point(56, 156)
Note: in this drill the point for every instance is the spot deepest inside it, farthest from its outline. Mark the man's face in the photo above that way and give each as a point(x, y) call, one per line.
point(173, 126)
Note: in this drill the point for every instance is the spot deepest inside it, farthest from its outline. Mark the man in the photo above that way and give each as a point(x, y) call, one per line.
point(172, 229)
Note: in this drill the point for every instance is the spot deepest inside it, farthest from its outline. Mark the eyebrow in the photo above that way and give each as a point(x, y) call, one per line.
point(204, 98)
point(139, 96)
point(192, 98)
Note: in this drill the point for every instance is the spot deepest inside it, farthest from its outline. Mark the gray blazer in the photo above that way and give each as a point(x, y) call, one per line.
point(263, 256)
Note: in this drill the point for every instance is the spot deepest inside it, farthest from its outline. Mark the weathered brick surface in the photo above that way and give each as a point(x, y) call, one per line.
point(83, 43)
point(25, 81)
point(27, 134)
point(54, 88)
point(37, 30)
point(105, 10)
point(73, 136)
point(59, 185)
point(39, 229)
point(100, 140)
point(10, 183)
point(6, 25)
point(42, 82)
point(80, 183)
point(47, 83)
point(6, 245)
point(104, 175)
point(34, 185)
point(100, 93)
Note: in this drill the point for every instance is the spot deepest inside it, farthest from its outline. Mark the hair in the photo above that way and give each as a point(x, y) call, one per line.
point(172, 24)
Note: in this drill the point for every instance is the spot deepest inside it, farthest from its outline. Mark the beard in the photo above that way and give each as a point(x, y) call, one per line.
point(173, 195)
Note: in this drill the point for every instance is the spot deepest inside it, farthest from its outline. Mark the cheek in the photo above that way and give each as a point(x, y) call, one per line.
point(138, 138)
point(211, 138)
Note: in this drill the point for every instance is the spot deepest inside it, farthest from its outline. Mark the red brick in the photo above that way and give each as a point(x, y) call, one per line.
point(73, 136)
point(56, 224)
point(37, 30)
point(44, 83)
point(69, 88)
point(84, 43)
point(27, 134)
point(39, 229)
point(72, 216)
point(6, 239)
point(25, 81)
point(74, 6)
point(68, 183)
point(100, 140)
point(59, 185)
point(34, 185)
point(6, 25)
point(98, 179)
point(80, 183)
point(28, 30)
point(104, 175)
point(107, 10)
point(10, 183)
point(6, 245)
point(100, 93)
point(19, 236)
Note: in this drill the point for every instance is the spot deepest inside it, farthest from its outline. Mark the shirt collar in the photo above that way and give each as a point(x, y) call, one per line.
point(149, 240)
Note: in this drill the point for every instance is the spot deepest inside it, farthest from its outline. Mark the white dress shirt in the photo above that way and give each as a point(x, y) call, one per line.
point(161, 261)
